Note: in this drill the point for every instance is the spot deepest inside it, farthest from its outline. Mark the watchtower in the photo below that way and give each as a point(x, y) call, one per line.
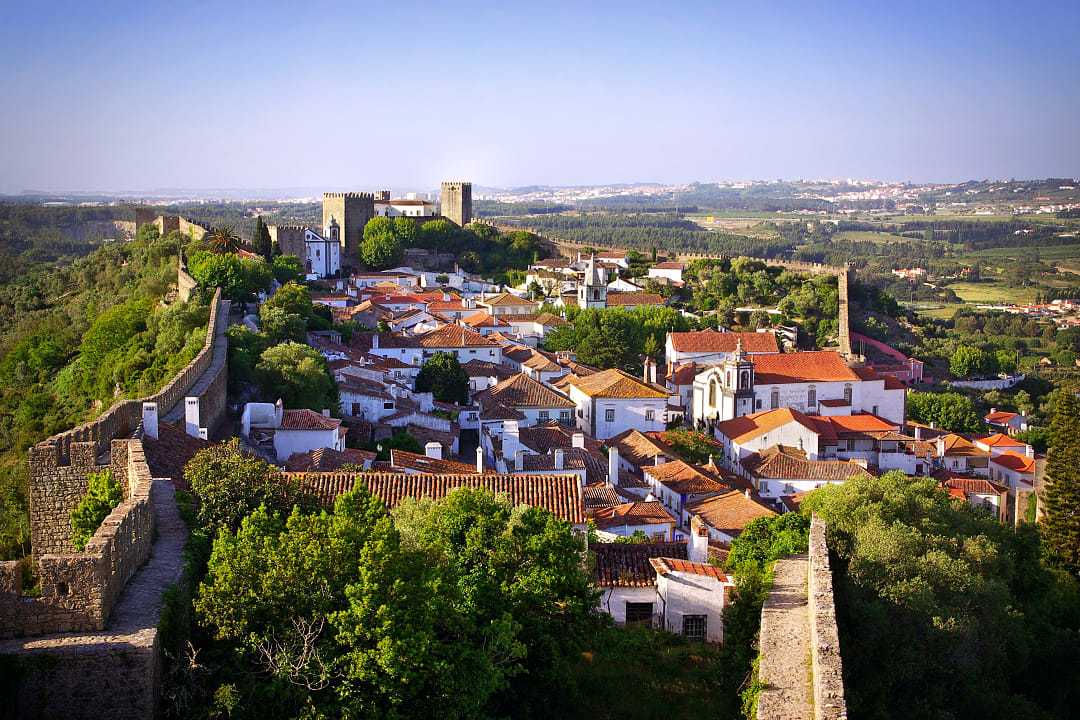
point(351, 211)
point(456, 202)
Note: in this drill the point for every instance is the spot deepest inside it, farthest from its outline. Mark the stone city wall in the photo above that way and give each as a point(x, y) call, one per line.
point(826, 665)
point(123, 417)
point(79, 589)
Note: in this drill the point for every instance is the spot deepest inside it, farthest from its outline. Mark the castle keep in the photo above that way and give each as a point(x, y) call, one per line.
point(456, 202)
point(351, 211)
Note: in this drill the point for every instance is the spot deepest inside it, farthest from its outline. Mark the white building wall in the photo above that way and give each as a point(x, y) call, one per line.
point(613, 600)
point(289, 442)
point(627, 414)
point(684, 594)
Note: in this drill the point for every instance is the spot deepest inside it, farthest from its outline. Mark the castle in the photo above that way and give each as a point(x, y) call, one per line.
point(344, 215)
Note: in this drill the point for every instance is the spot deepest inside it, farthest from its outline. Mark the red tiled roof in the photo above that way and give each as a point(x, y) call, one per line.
point(665, 565)
point(616, 384)
point(304, 419)
point(855, 424)
point(521, 391)
point(633, 513)
point(327, 459)
point(627, 564)
point(1001, 417)
point(559, 494)
point(454, 336)
point(1014, 461)
point(402, 459)
point(670, 265)
point(729, 512)
point(800, 367)
point(506, 299)
point(787, 464)
point(683, 374)
point(599, 495)
point(748, 427)
point(1000, 440)
point(620, 299)
point(712, 341)
point(685, 479)
point(169, 452)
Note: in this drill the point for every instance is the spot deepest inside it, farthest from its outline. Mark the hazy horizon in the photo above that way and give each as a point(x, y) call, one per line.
point(128, 98)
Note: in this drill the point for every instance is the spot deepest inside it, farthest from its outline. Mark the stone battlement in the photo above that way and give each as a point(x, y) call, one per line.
point(79, 589)
point(350, 195)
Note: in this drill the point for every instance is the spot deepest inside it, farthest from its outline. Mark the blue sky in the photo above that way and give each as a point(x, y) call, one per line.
point(142, 95)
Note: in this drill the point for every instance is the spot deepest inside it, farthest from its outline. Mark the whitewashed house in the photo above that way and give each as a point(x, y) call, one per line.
point(612, 401)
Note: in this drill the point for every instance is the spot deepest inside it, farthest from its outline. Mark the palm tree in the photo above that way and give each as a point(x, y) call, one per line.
point(223, 239)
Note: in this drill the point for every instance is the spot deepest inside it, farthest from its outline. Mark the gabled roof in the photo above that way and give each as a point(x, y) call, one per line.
point(599, 495)
point(521, 391)
point(666, 566)
point(454, 336)
point(551, 436)
point(482, 318)
point(327, 459)
point(633, 513)
point(506, 299)
point(729, 512)
point(1000, 440)
point(781, 463)
point(670, 265)
point(862, 423)
point(1014, 461)
point(802, 367)
point(168, 453)
point(559, 494)
point(713, 341)
point(637, 448)
point(683, 374)
point(404, 460)
point(616, 384)
point(540, 362)
point(748, 427)
point(968, 484)
point(686, 479)
point(1000, 417)
point(627, 564)
point(619, 299)
point(484, 368)
point(304, 419)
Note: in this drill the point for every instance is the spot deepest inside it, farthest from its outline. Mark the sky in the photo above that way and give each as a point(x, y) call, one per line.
point(113, 96)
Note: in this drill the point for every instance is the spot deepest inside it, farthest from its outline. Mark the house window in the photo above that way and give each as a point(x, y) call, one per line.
point(639, 613)
point(609, 415)
point(388, 405)
point(874, 409)
point(564, 416)
point(847, 394)
point(694, 626)
point(543, 415)
point(650, 415)
point(811, 396)
point(774, 399)
point(757, 404)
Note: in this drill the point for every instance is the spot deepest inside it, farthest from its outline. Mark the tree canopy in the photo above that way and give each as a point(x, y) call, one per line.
point(949, 411)
point(1061, 494)
point(443, 376)
point(381, 247)
point(297, 374)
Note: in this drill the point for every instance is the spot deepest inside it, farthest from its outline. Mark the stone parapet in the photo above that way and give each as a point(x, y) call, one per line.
point(826, 665)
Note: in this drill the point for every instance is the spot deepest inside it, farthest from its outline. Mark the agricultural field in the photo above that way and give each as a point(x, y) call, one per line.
point(869, 236)
point(1054, 252)
point(993, 292)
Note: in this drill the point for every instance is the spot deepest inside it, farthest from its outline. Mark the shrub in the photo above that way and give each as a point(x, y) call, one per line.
point(103, 493)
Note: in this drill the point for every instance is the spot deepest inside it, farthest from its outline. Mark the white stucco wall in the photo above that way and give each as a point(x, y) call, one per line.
point(613, 600)
point(288, 442)
point(688, 594)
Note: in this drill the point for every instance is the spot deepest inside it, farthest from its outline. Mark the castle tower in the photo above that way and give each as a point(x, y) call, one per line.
point(592, 290)
point(352, 212)
point(456, 202)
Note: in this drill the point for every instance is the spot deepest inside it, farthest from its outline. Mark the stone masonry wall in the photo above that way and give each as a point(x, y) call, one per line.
point(79, 589)
point(826, 665)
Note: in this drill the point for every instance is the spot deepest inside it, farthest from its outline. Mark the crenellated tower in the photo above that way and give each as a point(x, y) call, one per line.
point(351, 210)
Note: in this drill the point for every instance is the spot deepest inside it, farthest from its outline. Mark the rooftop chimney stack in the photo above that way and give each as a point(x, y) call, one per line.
point(433, 450)
point(479, 459)
point(150, 420)
point(560, 459)
point(613, 466)
point(519, 459)
point(578, 440)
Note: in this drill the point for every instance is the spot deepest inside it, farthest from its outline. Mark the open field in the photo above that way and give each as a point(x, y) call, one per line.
point(1054, 252)
point(993, 292)
point(869, 236)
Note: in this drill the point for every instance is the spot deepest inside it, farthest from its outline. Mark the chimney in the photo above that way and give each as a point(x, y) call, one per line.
point(150, 420)
point(519, 459)
point(479, 459)
point(659, 460)
point(613, 466)
point(577, 440)
point(433, 450)
point(374, 341)
point(560, 459)
point(746, 492)
point(1029, 451)
point(993, 410)
point(326, 412)
point(191, 416)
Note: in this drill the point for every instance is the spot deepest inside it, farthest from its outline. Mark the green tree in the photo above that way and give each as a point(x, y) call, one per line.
point(229, 484)
point(967, 361)
point(1061, 494)
point(380, 248)
point(260, 240)
point(222, 239)
point(103, 493)
point(949, 411)
point(287, 268)
point(293, 298)
point(443, 376)
point(239, 278)
point(405, 231)
point(298, 375)
point(1005, 360)
point(693, 446)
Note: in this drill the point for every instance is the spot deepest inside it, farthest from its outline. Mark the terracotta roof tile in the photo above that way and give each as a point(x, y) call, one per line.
point(522, 391)
point(800, 367)
point(616, 384)
point(454, 336)
point(747, 427)
point(404, 460)
point(633, 513)
point(327, 459)
point(713, 341)
point(599, 495)
point(686, 479)
point(1000, 417)
point(1000, 440)
point(506, 299)
point(664, 566)
point(729, 512)
point(785, 464)
point(633, 299)
point(543, 438)
point(1014, 461)
point(559, 494)
point(304, 419)
point(627, 564)
point(169, 452)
